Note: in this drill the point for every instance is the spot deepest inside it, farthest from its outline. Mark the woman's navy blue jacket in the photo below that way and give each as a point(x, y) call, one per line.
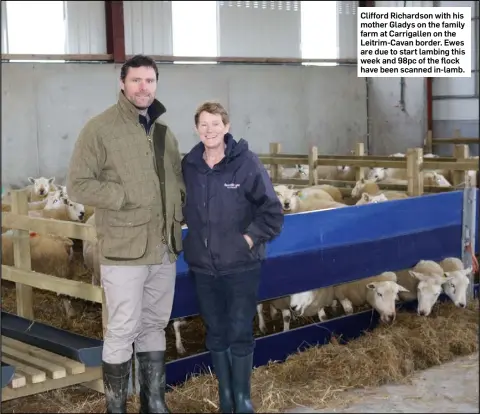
point(222, 204)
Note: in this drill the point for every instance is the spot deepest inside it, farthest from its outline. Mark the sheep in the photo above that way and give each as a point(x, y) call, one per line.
point(60, 207)
point(380, 292)
point(300, 171)
point(40, 187)
point(435, 179)
point(50, 254)
point(424, 283)
point(313, 203)
point(293, 202)
point(91, 255)
point(326, 172)
point(372, 188)
point(371, 199)
point(282, 304)
point(308, 304)
point(456, 286)
point(334, 192)
point(313, 302)
point(346, 173)
point(382, 173)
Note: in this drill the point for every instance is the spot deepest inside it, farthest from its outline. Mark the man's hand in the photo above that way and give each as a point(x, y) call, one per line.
point(249, 240)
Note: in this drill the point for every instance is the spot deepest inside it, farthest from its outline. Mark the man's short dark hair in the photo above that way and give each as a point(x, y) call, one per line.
point(136, 62)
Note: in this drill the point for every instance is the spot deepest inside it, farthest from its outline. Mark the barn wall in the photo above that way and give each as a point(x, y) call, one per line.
point(394, 128)
point(45, 105)
point(456, 100)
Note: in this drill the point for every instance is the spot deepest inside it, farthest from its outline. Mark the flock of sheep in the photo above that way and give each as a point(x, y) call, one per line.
point(53, 255)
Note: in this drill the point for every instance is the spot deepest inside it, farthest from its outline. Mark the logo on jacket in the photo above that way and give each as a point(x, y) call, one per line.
point(232, 185)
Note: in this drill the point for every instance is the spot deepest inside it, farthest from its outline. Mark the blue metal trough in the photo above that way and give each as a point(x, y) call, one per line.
point(315, 249)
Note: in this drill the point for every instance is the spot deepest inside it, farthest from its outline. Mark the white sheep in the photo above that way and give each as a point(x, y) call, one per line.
point(379, 174)
point(346, 173)
point(300, 171)
point(50, 254)
point(59, 207)
point(456, 285)
point(380, 292)
point(435, 179)
point(424, 283)
point(306, 304)
point(371, 199)
point(326, 172)
point(371, 187)
point(40, 187)
point(282, 304)
point(293, 203)
point(383, 173)
point(313, 302)
point(334, 192)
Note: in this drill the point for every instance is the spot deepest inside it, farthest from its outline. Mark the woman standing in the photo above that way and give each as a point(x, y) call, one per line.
point(231, 211)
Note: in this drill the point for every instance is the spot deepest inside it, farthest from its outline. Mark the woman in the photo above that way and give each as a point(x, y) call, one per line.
point(231, 211)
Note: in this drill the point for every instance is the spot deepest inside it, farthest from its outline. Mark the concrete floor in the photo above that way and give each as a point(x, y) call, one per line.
point(450, 388)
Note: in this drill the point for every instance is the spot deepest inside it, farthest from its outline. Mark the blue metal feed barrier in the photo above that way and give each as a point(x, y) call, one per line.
point(318, 249)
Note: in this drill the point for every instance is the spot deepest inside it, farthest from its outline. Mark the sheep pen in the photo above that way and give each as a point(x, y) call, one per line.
point(315, 377)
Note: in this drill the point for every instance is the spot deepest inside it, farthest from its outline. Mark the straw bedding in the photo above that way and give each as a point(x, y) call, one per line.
point(318, 376)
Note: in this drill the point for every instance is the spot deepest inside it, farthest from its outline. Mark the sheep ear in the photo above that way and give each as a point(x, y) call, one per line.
point(31, 179)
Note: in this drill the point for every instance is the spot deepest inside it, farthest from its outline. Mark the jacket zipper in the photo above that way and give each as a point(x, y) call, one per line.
point(208, 222)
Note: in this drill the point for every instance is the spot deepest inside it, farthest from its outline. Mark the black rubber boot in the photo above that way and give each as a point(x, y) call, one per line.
point(241, 374)
point(222, 365)
point(115, 382)
point(151, 378)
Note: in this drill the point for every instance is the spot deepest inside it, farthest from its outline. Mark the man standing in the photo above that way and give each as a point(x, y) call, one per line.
point(127, 165)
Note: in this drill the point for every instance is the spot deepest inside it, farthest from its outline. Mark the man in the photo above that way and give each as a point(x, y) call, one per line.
point(126, 164)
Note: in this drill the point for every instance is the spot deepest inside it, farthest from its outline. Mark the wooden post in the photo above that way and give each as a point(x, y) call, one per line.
point(275, 170)
point(312, 165)
point(414, 171)
point(461, 153)
point(361, 171)
point(429, 142)
point(21, 256)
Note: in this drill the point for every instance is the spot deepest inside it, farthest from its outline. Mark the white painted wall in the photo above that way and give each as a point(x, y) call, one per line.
point(44, 106)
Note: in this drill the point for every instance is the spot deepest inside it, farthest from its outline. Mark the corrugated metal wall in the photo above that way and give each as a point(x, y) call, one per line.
point(347, 29)
point(85, 27)
point(148, 27)
point(259, 28)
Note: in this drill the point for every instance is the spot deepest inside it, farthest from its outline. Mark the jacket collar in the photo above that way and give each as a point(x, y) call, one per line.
point(155, 110)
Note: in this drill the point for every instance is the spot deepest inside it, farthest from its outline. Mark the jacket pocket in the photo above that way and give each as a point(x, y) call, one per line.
point(177, 229)
point(125, 234)
point(231, 251)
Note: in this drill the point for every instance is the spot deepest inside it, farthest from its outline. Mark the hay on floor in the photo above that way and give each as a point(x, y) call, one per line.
point(320, 374)
point(316, 377)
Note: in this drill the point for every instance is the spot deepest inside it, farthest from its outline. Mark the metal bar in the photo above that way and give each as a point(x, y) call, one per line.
point(115, 31)
point(239, 59)
point(446, 97)
point(66, 57)
point(475, 28)
point(468, 232)
point(429, 93)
